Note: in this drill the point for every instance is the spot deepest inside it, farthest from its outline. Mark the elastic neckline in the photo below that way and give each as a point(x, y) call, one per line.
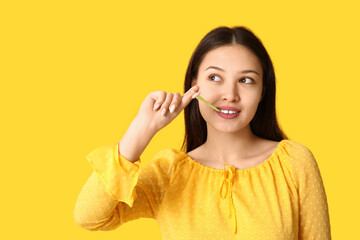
point(275, 152)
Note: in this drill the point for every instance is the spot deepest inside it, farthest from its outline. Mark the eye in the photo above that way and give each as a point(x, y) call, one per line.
point(246, 80)
point(212, 77)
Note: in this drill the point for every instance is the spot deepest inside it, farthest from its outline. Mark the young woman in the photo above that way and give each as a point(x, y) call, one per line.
point(237, 175)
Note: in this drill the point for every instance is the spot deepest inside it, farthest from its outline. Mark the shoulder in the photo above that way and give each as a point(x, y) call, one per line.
point(170, 154)
point(296, 150)
point(168, 160)
point(300, 158)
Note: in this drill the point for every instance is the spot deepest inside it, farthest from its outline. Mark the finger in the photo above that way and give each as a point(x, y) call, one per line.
point(192, 91)
point(188, 96)
point(159, 97)
point(175, 102)
point(166, 103)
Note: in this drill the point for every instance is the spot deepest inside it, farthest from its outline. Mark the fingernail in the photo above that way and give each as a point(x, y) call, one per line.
point(163, 112)
point(172, 108)
point(156, 106)
point(195, 95)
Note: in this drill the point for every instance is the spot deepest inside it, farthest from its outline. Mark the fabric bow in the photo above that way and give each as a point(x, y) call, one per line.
point(227, 182)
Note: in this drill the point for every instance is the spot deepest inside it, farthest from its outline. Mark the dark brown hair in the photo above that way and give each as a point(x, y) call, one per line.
point(264, 124)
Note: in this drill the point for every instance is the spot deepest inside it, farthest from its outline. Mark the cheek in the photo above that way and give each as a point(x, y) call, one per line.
point(206, 112)
point(251, 101)
point(205, 85)
point(205, 88)
point(209, 94)
point(204, 109)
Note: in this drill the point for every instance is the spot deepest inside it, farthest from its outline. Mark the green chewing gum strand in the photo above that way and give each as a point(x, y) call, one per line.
point(209, 104)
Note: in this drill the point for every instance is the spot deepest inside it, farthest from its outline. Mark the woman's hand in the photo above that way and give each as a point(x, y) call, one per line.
point(160, 108)
point(155, 112)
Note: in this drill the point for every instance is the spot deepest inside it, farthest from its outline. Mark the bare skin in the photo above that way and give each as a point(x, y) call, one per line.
point(264, 149)
point(231, 76)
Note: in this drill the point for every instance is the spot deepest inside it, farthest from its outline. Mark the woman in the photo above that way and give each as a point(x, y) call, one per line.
point(237, 175)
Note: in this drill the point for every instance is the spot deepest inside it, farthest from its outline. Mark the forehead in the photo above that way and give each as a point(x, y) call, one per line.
point(231, 58)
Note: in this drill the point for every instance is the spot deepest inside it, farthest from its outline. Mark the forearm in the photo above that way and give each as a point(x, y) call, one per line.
point(94, 206)
point(136, 139)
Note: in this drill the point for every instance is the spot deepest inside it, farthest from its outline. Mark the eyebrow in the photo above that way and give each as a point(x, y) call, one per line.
point(244, 71)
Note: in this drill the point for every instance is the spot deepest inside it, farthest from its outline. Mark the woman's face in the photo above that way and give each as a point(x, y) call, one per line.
point(230, 76)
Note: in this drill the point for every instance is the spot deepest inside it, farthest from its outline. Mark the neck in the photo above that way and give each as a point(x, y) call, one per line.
point(230, 147)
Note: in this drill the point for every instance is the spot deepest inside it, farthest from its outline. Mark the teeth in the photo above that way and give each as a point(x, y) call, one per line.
point(228, 112)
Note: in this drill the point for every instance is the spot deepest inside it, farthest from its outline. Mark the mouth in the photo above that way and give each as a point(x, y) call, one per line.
point(228, 112)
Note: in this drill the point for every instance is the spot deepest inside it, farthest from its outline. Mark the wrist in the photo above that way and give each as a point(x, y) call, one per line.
point(136, 139)
point(144, 125)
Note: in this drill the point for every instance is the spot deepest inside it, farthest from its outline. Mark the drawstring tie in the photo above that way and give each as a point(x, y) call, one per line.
point(227, 181)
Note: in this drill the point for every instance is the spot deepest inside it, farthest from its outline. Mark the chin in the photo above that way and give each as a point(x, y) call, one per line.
point(228, 128)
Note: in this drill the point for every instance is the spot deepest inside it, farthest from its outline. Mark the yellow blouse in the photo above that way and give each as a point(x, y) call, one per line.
point(283, 198)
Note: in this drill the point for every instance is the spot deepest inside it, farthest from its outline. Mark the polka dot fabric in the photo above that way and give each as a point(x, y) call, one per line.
point(283, 198)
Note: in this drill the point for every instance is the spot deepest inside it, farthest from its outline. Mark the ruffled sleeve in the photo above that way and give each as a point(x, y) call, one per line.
point(314, 213)
point(119, 175)
point(119, 190)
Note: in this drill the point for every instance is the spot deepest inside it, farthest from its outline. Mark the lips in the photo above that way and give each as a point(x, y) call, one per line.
point(226, 115)
point(229, 108)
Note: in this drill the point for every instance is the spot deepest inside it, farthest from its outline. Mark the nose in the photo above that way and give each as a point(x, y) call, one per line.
point(230, 93)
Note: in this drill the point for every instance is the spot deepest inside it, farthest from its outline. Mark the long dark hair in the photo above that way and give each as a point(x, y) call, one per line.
point(264, 124)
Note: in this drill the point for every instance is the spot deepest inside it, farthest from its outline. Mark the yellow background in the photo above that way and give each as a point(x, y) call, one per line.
point(74, 73)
